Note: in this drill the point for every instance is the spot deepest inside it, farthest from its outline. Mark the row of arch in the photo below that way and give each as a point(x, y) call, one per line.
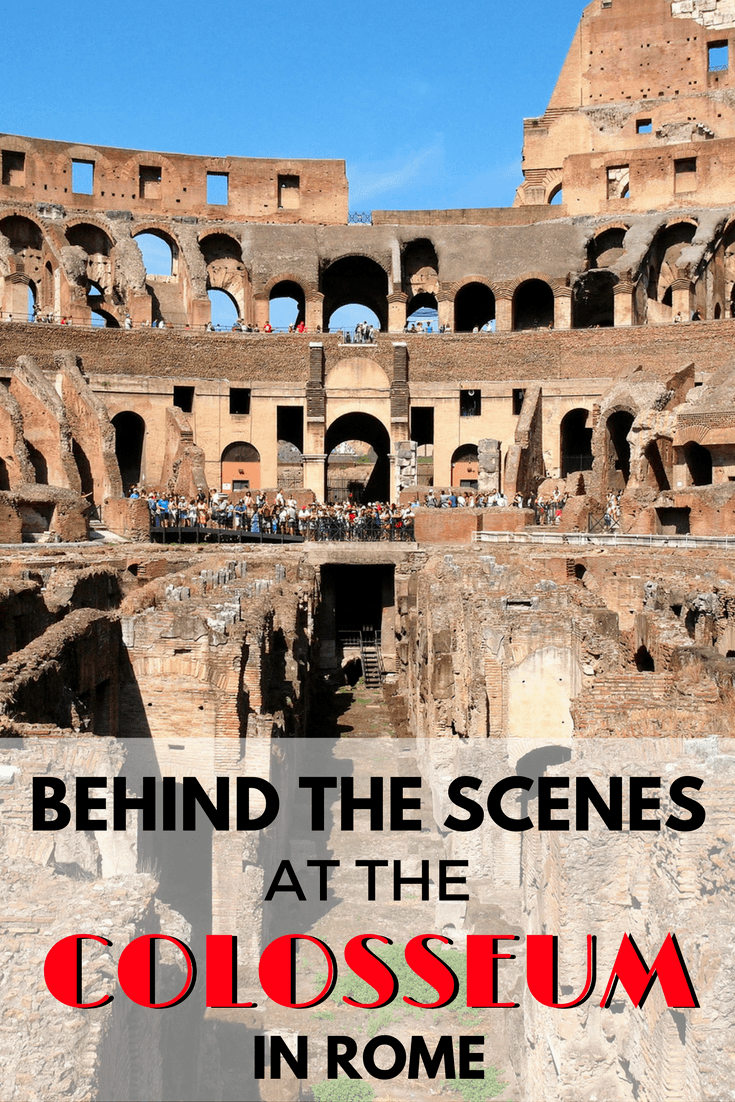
point(87, 252)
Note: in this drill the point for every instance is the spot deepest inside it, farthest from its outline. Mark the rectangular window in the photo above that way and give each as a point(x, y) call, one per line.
point(290, 426)
point(82, 177)
point(14, 168)
point(422, 425)
point(618, 182)
point(289, 192)
point(240, 484)
point(218, 189)
point(643, 126)
point(149, 179)
point(518, 396)
point(685, 174)
point(470, 403)
point(184, 398)
point(239, 400)
point(718, 56)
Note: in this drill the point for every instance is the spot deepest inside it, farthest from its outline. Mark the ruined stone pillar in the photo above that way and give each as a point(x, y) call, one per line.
point(488, 455)
point(316, 412)
point(397, 312)
point(200, 312)
point(314, 312)
point(623, 303)
point(315, 471)
point(406, 465)
point(445, 306)
point(503, 314)
point(563, 308)
point(681, 298)
point(261, 305)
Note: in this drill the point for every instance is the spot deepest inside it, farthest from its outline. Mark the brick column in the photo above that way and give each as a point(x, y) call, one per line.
point(503, 314)
point(314, 312)
point(681, 299)
point(316, 407)
point(445, 306)
point(261, 307)
point(623, 304)
point(397, 312)
point(563, 308)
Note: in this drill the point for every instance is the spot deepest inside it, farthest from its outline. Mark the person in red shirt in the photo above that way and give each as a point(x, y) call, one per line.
point(301, 328)
point(267, 328)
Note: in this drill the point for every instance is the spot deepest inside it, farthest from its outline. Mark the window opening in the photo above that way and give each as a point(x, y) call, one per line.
point(470, 403)
point(82, 177)
point(184, 398)
point(289, 192)
point(718, 57)
point(218, 189)
point(14, 168)
point(518, 396)
point(239, 400)
point(643, 126)
point(685, 174)
point(149, 179)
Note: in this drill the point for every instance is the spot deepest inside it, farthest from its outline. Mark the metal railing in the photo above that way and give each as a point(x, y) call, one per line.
point(363, 530)
point(360, 218)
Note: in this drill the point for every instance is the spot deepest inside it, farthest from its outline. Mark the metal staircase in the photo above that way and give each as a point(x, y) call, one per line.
point(371, 658)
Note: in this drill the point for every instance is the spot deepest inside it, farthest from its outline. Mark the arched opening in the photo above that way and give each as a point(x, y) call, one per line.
point(699, 464)
point(129, 440)
point(102, 319)
point(576, 442)
point(355, 281)
point(663, 268)
point(644, 660)
point(593, 302)
point(4, 476)
point(474, 307)
point(32, 306)
point(465, 466)
point(618, 426)
point(85, 470)
point(369, 442)
point(240, 467)
point(160, 253)
point(39, 464)
point(420, 268)
point(287, 305)
point(224, 308)
point(24, 236)
point(556, 196)
point(658, 475)
point(718, 311)
point(606, 248)
point(422, 313)
point(92, 239)
point(533, 305)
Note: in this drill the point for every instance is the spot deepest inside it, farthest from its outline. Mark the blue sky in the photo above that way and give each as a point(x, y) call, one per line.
point(424, 102)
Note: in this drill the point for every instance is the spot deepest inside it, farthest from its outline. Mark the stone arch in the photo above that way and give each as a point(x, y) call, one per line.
point(365, 427)
point(130, 430)
point(661, 266)
point(240, 463)
point(419, 268)
point(617, 426)
point(164, 234)
point(698, 460)
point(533, 303)
point(289, 288)
point(593, 300)
point(465, 465)
point(607, 245)
point(355, 279)
point(474, 304)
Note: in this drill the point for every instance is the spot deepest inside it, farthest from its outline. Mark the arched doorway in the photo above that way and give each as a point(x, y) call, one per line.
point(593, 302)
point(422, 313)
point(355, 281)
point(287, 305)
point(576, 442)
point(699, 464)
point(465, 466)
point(618, 467)
point(240, 467)
point(474, 307)
point(84, 467)
point(533, 305)
point(39, 464)
point(225, 311)
point(160, 253)
point(373, 482)
point(129, 442)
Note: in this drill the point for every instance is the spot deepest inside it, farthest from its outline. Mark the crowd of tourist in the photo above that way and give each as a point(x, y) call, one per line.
point(254, 512)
